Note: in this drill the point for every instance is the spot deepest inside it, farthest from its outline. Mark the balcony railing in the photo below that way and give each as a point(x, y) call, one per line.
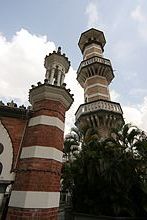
point(98, 105)
point(94, 60)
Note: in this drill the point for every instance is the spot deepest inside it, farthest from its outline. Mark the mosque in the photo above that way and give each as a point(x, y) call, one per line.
point(31, 139)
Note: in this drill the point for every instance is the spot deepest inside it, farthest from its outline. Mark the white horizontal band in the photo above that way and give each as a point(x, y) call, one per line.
point(91, 47)
point(47, 120)
point(96, 94)
point(94, 53)
point(30, 199)
point(41, 152)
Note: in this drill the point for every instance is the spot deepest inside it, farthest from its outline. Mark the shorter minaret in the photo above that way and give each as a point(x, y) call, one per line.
point(94, 74)
point(36, 190)
point(57, 65)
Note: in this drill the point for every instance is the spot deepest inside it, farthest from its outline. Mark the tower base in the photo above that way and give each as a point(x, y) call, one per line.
point(35, 214)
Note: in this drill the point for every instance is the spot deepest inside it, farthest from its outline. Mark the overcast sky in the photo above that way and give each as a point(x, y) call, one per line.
point(31, 29)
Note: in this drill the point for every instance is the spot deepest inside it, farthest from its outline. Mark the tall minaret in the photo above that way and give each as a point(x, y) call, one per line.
point(94, 74)
point(36, 190)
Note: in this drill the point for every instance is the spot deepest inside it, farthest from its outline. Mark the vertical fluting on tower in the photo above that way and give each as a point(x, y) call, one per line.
point(36, 190)
point(94, 74)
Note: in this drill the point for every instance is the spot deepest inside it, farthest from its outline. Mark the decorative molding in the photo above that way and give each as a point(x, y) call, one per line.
point(51, 92)
point(21, 112)
point(33, 199)
point(41, 152)
point(46, 120)
point(99, 105)
point(6, 157)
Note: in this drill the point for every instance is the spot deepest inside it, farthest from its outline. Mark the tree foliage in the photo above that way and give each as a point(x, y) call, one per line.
point(71, 144)
point(109, 177)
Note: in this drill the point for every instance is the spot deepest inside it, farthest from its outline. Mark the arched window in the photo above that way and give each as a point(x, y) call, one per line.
point(1, 168)
point(1, 148)
point(1, 151)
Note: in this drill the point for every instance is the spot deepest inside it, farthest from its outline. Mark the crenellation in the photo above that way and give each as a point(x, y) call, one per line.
point(1, 103)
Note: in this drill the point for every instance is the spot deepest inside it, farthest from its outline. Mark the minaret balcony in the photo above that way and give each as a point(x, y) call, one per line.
point(99, 105)
point(93, 60)
point(95, 66)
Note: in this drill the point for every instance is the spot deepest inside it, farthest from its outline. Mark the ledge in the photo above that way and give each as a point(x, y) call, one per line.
point(99, 105)
point(14, 112)
point(52, 92)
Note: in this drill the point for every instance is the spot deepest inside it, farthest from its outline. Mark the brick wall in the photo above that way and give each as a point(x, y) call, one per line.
point(35, 175)
point(15, 128)
point(25, 214)
point(44, 135)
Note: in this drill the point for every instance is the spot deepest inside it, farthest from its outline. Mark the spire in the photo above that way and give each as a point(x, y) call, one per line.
point(57, 65)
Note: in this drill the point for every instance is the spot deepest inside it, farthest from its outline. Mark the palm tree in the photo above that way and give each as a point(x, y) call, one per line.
point(75, 140)
point(108, 177)
point(132, 164)
point(125, 136)
point(71, 144)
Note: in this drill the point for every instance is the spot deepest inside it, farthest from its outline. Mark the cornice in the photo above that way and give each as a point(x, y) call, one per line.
point(51, 92)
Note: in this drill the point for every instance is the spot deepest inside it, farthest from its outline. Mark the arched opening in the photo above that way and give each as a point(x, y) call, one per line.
point(1, 168)
point(1, 148)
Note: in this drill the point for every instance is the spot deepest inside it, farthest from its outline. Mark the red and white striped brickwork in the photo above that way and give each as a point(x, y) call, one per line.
point(36, 190)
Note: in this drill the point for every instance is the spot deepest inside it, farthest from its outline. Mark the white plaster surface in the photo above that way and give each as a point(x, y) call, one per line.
point(6, 156)
point(31, 199)
point(47, 120)
point(42, 152)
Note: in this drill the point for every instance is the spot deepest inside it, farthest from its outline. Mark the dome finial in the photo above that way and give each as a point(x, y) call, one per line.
point(59, 50)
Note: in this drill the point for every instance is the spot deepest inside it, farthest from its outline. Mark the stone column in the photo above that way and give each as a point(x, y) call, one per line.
point(52, 76)
point(62, 78)
point(59, 78)
point(47, 74)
